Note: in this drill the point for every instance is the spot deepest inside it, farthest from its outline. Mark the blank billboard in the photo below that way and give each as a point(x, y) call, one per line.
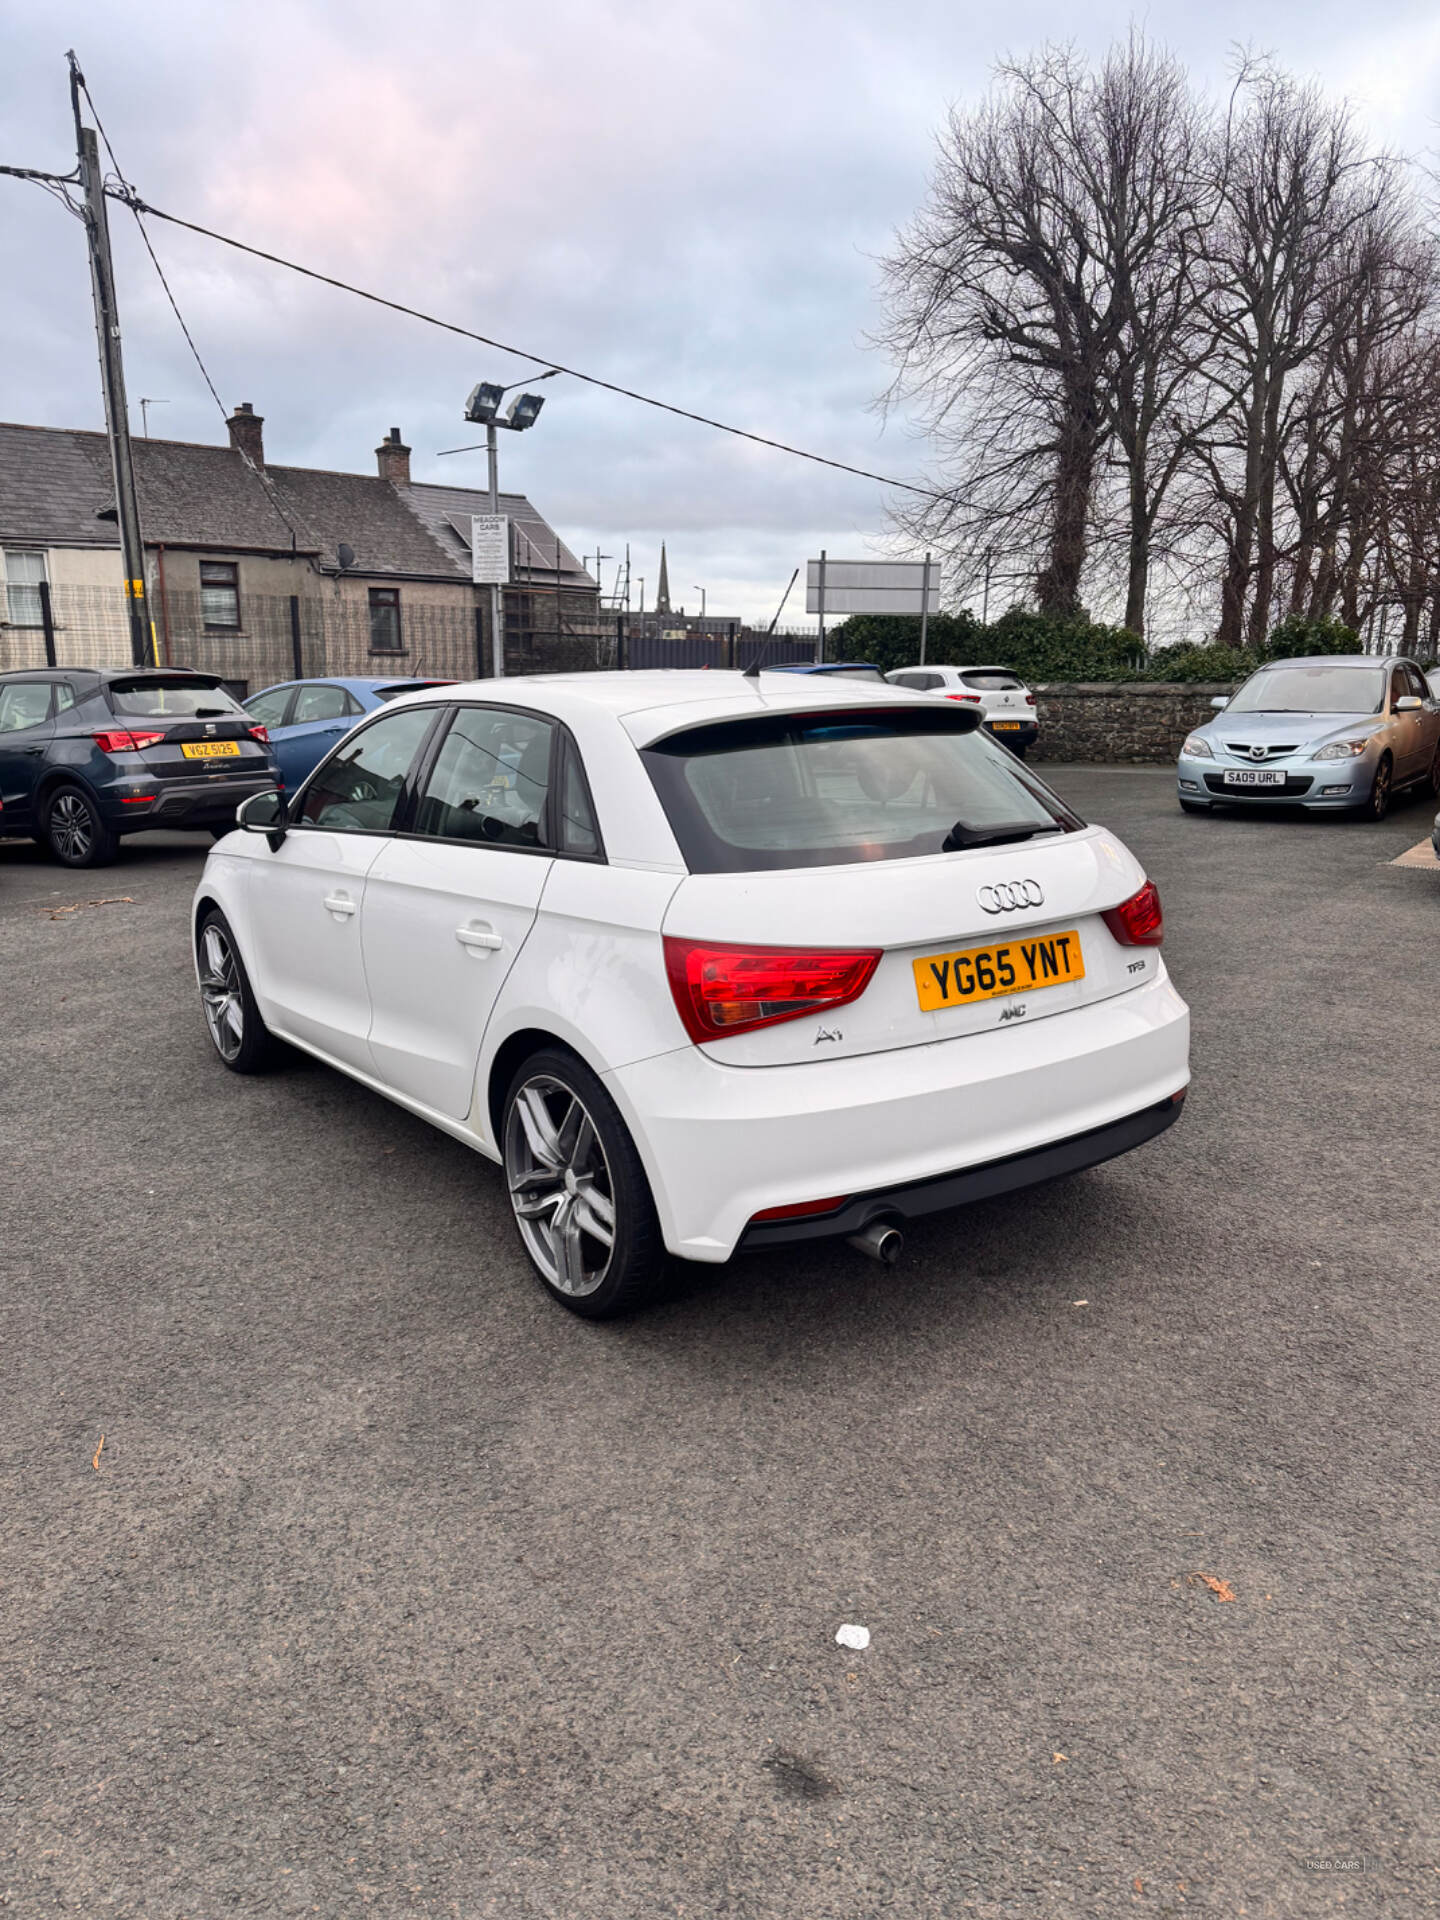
point(871, 586)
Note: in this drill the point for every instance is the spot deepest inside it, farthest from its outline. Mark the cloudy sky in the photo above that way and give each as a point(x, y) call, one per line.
point(686, 198)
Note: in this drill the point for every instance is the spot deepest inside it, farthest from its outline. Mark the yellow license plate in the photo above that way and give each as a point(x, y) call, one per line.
point(982, 973)
point(210, 749)
point(1006, 726)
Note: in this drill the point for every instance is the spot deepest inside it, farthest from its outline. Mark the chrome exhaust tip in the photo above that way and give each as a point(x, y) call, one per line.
point(880, 1241)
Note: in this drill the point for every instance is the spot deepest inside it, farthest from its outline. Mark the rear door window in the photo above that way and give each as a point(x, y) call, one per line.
point(826, 789)
point(490, 780)
point(268, 708)
point(321, 703)
point(361, 787)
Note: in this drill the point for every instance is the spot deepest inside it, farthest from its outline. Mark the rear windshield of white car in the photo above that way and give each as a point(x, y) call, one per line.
point(156, 699)
point(1311, 690)
point(825, 789)
point(991, 681)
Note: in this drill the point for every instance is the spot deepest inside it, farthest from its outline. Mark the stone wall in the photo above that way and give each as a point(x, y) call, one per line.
point(1101, 720)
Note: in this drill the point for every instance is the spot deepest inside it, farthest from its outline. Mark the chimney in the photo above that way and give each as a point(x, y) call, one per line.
point(245, 432)
point(393, 459)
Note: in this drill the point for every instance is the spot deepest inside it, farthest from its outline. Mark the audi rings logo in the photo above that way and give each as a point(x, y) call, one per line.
point(1010, 895)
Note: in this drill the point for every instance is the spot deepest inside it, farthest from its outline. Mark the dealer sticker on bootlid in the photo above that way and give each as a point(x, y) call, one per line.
point(983, 973)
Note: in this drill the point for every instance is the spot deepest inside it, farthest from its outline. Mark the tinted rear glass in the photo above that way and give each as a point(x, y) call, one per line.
point(154, 699)
point(1312, 690)
point(997, 682)
point(872, 674)
point(815, 790)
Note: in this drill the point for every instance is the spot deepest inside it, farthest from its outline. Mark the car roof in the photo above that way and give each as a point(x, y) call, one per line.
point(652, 702)
point(1341, 660)
point(951, 666)
point(353, 683)
point(106, 674)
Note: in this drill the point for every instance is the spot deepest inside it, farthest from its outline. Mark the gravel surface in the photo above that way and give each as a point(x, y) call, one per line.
point(397, 1590)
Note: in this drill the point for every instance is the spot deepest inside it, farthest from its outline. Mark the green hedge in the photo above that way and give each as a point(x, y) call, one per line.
point(1040, 649)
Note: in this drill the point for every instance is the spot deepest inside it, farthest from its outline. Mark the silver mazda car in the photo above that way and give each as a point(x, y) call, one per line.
point(1340, 733)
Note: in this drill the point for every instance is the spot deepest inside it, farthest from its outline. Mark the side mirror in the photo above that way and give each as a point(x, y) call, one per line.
point(1220, 700)
point(264, 813)
point(1409, 703)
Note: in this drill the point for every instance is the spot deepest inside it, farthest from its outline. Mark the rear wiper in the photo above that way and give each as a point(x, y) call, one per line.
point(961, 836)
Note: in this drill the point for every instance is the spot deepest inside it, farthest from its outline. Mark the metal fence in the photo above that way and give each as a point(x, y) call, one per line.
point(286, 637)
point(290, 637)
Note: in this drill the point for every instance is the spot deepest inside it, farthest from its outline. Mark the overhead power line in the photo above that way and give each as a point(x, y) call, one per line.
point(139, 206)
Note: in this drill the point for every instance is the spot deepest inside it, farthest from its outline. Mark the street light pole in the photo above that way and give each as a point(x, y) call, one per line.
point(497, 593)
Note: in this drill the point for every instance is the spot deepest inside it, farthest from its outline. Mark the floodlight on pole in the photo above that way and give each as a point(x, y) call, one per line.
point(483, 408)
point(523, 412)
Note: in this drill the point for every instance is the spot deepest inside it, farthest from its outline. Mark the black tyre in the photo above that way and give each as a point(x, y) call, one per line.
point(74, 831)
point(241, 1038)
point(1378, 805)
point(578, 1191)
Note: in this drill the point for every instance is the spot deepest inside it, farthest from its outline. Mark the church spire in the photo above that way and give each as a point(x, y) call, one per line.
point(662, 592)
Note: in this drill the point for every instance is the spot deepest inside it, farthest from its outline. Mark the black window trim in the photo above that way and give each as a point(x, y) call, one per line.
point(419, 765)
point(561, 741)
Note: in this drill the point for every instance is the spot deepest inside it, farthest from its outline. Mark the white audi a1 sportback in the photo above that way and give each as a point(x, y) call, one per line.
point(704, 960)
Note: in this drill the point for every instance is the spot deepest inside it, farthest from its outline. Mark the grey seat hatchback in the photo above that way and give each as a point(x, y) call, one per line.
point(89, 754)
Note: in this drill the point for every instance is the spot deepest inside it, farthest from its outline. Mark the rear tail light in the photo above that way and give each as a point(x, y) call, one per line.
point(971, 699)
point(120, 742)
point(1138, 921)
point(1029, 699)
point(262, 734)
point(724, 990)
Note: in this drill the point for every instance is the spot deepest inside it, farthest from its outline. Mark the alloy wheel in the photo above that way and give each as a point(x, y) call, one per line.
point(560, 1185)
point(72, 832)
point(220, 992)
point(1380, 792)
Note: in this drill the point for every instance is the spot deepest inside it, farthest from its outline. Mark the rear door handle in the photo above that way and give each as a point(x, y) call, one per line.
point(479, 938)
point(340, 904)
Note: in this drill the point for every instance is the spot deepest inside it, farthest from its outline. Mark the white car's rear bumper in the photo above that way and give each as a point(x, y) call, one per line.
point(722, 1143)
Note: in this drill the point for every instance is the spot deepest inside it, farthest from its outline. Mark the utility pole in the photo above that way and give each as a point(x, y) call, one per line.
point(924, 608)
point(112, 379)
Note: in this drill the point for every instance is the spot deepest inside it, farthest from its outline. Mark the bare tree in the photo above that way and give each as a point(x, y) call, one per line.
point(1294, 185)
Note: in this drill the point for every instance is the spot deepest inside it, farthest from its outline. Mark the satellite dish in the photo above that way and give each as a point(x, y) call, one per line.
point(346, 556)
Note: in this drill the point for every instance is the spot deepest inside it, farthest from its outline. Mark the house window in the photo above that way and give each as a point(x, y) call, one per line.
point(385, 620)
point(220, 595)
point(23, 573)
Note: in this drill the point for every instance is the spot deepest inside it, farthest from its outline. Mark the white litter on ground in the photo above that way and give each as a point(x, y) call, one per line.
point(856, 1638)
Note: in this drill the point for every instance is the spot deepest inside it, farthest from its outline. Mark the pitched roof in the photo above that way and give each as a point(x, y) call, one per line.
point(55, 481)
point(539, 550)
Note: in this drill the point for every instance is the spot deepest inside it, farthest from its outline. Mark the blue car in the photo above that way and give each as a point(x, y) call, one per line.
point(305, 718)
point(840, 669)
point(1339, 733)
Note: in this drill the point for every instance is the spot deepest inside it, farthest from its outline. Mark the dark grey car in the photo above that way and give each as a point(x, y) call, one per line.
point(88, 754)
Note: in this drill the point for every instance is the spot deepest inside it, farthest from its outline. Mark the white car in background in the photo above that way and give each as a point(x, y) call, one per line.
point(704, 960)
point(1007, 706)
